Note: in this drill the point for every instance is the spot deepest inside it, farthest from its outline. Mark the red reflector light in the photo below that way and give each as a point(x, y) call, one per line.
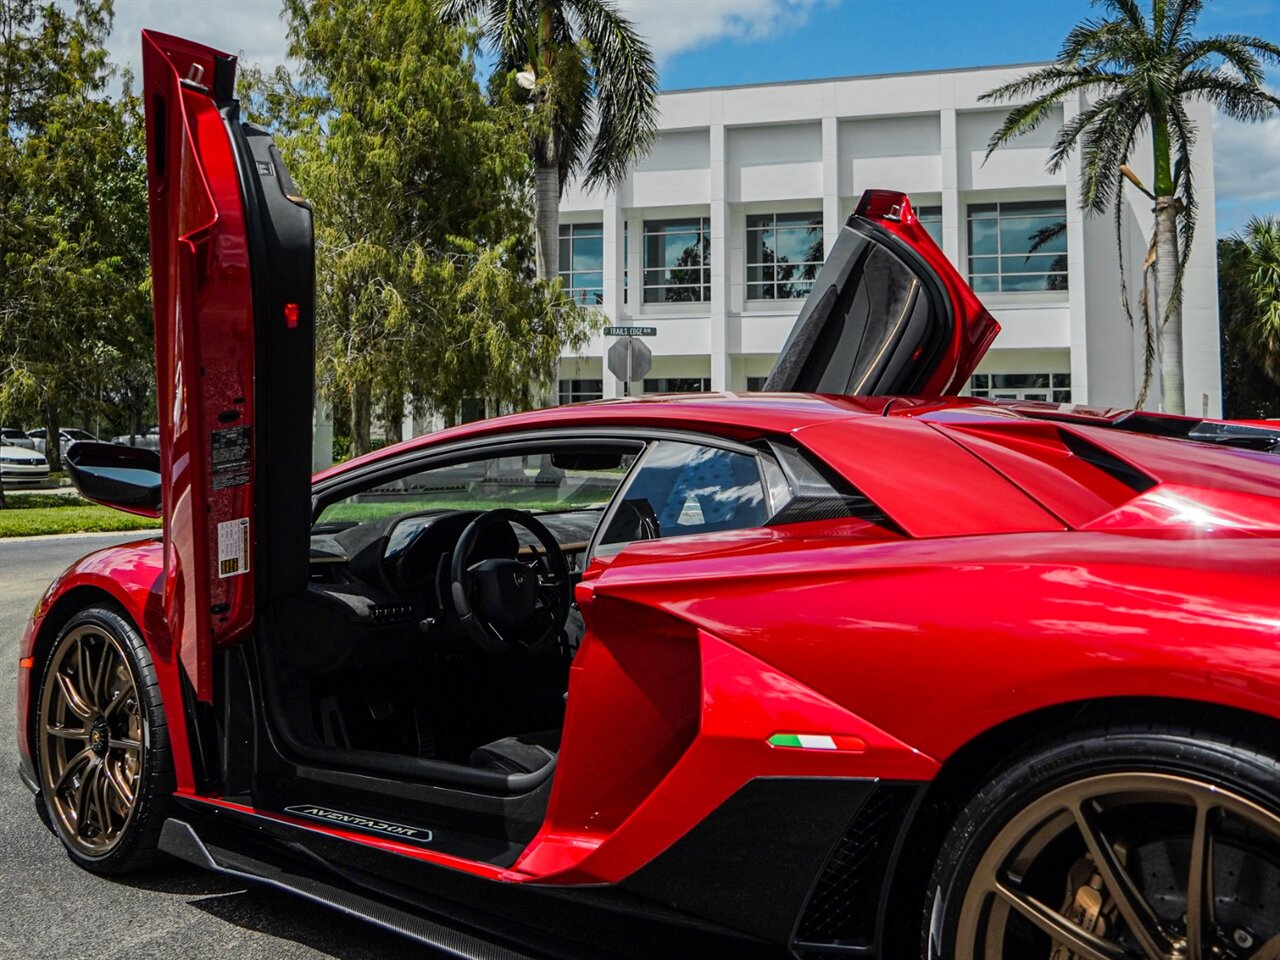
point(291, 315)
point(26, 663)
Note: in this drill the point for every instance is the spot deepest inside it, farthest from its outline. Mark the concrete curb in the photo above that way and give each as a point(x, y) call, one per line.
point(136, 534)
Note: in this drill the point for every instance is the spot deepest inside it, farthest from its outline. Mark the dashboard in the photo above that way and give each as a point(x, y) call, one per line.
point(379, 590)
point(406, 556)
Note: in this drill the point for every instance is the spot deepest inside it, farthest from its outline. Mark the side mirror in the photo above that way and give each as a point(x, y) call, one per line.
point(127, 478)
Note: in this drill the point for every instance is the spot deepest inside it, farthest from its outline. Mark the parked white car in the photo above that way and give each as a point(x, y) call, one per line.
point(65, 438)
point(149, 440)
point(16, 438)
point(19, 465)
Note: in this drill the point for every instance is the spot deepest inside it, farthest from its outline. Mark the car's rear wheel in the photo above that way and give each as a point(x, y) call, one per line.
point(1157, 843)
point(105, 769)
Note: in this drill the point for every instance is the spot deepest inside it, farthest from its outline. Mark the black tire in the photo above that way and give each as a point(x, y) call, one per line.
point(128, 676)
point(1149, 794)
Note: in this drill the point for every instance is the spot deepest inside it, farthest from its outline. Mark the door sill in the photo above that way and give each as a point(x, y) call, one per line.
point(179, 839)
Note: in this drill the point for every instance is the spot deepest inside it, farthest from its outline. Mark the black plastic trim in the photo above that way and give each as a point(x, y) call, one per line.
point(179, 839)
point(1107, 462)
point(844, 912)
point(750, 864)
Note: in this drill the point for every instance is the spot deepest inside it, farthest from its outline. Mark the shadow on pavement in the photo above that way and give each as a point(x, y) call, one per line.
point(323, 930)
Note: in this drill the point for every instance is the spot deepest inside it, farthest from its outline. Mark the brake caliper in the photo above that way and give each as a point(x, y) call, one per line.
point(1086, 910)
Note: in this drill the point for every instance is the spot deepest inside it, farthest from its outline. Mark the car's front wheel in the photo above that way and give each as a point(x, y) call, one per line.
point(106, 774)
point(1151, 843)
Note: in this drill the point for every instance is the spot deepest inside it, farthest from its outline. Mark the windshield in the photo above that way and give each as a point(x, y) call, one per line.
point(539, 483)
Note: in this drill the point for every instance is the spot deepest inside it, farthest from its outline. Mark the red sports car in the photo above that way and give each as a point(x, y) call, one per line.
point(821, 672)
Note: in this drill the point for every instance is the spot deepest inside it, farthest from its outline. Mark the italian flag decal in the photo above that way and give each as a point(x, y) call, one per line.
point(817, 741)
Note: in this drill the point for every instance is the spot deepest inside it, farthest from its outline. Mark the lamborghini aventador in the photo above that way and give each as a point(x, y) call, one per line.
point(854, 667)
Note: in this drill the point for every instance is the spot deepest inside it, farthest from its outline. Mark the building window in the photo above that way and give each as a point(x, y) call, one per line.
point(677, 385)
point(755, 384)
point(574, 391)
point(931, 219)
point(1055, 387)
point(1018, 247)
point(677, 260)
point(582, 261)
point(784, 254)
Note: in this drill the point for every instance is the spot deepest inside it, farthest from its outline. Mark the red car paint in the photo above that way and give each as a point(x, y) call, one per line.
point(802, 627)
point(204, 343)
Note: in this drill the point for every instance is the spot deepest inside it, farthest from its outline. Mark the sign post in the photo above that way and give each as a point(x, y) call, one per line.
point(629, 357)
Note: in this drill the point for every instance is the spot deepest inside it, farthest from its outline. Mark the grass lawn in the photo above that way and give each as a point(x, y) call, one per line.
point(32, 514)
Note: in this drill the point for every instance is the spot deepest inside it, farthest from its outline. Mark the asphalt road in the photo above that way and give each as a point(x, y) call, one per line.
point(49, 908)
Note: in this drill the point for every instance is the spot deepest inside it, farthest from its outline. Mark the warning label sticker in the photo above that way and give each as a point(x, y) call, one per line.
point(233, 547)
point(229, 457)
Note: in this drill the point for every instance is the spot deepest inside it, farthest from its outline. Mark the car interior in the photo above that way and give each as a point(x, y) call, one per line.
point(437, 625)
point(434, 639)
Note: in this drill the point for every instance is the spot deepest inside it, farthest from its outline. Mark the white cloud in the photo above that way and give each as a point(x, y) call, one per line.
point(1246, 169)
point(1246, 165)
point(253, 28)
point(678, 26)
point(250, 28)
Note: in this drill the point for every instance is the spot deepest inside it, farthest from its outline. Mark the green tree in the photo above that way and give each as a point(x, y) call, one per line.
point(422, 230)
point(1249, 308)
point(1139, 73)
point(592, 86)
point(73, 245)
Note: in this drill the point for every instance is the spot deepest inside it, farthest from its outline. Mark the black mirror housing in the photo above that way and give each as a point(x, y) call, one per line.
point(127, 478)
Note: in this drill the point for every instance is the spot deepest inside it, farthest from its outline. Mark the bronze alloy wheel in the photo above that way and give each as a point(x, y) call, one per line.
point(91, 740)
point(1128, 865)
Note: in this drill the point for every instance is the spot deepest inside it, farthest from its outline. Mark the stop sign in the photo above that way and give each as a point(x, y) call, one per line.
point(630, 359)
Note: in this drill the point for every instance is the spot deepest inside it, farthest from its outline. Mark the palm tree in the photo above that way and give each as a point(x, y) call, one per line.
point(1138, 75)
point(593, 88)
point(1252, 263)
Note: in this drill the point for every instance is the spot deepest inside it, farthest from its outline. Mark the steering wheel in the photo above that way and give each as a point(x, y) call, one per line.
point(508, 604)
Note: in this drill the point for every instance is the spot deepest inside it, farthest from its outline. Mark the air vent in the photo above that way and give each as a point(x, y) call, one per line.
point(1108, 463)
point(1074, 478)
point(841, 912)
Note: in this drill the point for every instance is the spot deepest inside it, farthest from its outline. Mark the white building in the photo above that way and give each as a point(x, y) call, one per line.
point(713, 235)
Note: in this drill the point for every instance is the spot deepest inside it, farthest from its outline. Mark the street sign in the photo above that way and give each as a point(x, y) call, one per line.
point(630, 359)
point(630, 331)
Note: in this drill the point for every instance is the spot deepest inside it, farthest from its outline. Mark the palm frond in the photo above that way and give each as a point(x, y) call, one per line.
point(1028, 116)
point(1243, 52)
point(1104, 147)
point(626, 83)
point(1074, 128)
point(1236, 98)
point(1259, 254)
point(510, 25)
point(1184, 140)
point(1128, 9)
point(1092, 40)
point(1184, 18)
point(1036, 83)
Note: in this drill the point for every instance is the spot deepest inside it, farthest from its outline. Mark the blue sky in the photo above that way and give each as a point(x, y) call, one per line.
point(714, 42)
point(798, 40)
point(806, 40)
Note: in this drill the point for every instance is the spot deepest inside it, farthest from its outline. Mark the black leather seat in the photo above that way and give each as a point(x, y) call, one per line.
point(526, 753)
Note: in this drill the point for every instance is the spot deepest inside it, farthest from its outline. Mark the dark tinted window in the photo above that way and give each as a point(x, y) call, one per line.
point(684, 488)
